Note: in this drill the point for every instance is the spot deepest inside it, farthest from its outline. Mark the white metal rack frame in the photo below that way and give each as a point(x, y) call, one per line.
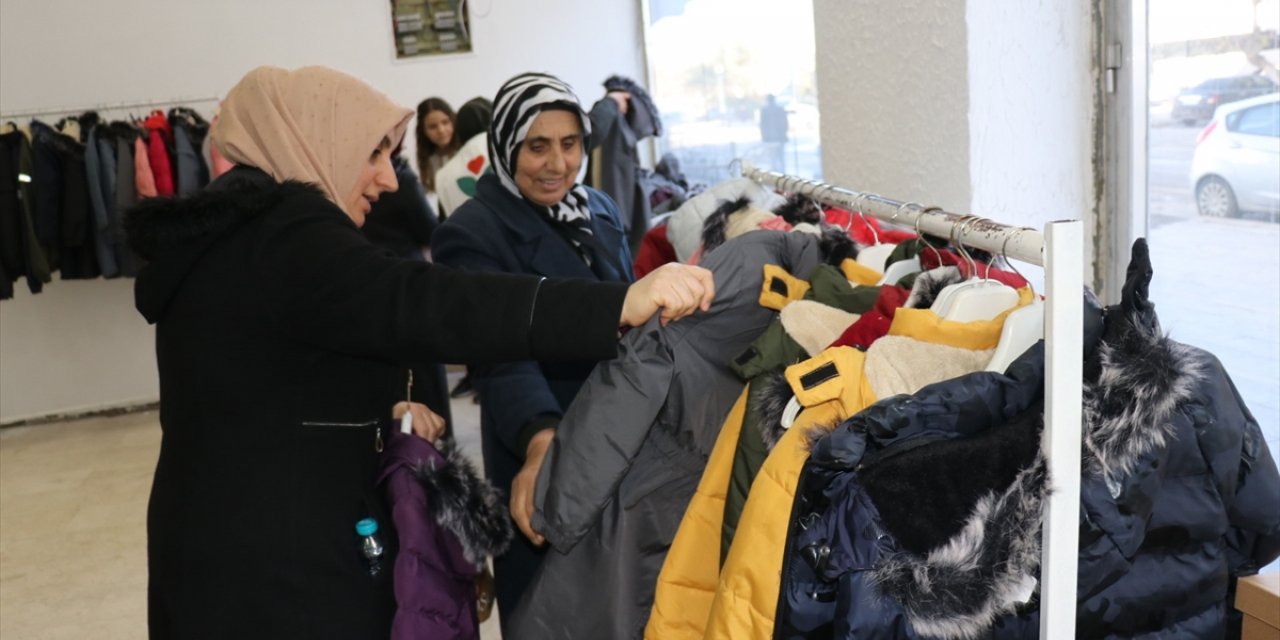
point(1059, 249)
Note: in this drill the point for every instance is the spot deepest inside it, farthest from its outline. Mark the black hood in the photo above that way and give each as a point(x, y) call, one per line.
point(957, 474)
point(173, 234)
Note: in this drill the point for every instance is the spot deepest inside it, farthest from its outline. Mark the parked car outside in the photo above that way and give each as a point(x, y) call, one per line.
point(1236, 166)
point(1198, 103)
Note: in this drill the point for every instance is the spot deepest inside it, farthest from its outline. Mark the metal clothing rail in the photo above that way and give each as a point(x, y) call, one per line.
point(1060, 251)
point(105, 107)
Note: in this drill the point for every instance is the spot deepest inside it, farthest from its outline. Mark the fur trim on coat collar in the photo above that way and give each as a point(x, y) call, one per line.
point(799, 208)
point(836, 245)
point(1144, 376)
point(768, 403)
point(958, 589)
point(713, 226)
point(467, 505)
point(931, 283)
point(156, 225)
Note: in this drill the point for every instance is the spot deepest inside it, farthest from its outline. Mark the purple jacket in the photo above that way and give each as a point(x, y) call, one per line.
point(448, 520)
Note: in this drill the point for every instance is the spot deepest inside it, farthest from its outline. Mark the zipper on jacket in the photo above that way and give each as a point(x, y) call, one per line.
point(377, 434)
point(369, 423)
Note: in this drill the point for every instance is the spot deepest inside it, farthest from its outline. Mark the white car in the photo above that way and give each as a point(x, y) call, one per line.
point(1236, 166)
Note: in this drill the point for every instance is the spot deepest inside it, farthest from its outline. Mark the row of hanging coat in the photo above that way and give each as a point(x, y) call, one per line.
point(849, 444)
point(842, 340)
point(634, 445)
point(64, 187)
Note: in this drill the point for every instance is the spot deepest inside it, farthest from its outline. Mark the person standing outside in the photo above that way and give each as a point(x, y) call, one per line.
point(773, 131)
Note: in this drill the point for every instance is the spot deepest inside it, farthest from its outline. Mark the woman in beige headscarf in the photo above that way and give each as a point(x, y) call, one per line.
point(280, 332)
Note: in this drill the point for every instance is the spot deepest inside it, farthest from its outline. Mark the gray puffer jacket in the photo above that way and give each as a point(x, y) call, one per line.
point(633, 445)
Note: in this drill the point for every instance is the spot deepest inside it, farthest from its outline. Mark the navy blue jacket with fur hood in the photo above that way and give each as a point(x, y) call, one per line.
point(920, 516)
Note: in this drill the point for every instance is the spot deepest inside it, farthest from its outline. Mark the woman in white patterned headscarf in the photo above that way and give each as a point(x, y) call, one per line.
point(532, 215)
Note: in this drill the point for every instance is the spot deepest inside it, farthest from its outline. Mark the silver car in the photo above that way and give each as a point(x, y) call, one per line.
point(1236, 166)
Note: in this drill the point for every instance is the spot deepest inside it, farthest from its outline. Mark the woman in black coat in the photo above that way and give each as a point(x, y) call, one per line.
point(402, 222)
point(531, 216)
point(279, 332)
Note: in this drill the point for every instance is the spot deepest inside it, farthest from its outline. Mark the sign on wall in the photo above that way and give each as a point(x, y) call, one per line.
point(430, 27)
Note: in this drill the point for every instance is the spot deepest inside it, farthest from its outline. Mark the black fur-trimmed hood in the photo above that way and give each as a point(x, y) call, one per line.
point(172, 234)
point(967, 511)
point(158, 225)
point(1139, 378)
point(957, 588)
point(466, 504)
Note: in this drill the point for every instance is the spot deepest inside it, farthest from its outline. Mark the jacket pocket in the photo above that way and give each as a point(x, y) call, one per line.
point(332, 466)
point(370, 426)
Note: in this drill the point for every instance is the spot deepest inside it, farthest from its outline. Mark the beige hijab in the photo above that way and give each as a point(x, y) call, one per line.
point(313, 124)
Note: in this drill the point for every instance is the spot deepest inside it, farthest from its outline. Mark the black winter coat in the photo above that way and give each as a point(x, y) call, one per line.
point(920, 516)
point(279, 330)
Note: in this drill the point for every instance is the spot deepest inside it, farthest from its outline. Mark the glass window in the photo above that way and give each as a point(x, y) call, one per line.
point(1213, 217)
point(1262, 120)
point(735, 79)
point(1263, 82)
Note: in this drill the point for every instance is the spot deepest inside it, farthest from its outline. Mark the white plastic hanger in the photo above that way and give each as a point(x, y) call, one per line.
point(943, 301)
point(976, 298)
point(875, 255)
point(790, 413)
point(1022, 328)
point(902, 268)
point(899, 270)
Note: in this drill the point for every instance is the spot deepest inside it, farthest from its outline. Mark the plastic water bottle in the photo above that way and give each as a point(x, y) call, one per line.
point(370, 544)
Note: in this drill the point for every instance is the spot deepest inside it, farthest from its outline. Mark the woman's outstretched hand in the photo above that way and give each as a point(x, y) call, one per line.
point(427, 424)
point(676, 290)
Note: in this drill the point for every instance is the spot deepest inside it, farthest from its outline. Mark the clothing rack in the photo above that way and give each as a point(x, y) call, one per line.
point(1059, 249)
point(116, 106)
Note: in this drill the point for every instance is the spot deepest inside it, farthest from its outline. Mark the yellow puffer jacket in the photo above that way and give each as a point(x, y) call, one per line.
point(687, 585)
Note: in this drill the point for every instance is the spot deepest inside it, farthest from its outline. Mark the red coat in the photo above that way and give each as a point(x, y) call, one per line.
point(655, 251)
point(159, 141)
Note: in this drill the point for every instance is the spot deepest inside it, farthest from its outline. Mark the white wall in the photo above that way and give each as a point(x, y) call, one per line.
point(77, 346)
point(1030, 111)
point(894, 98)
point(81, 345)
point(981, 107)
